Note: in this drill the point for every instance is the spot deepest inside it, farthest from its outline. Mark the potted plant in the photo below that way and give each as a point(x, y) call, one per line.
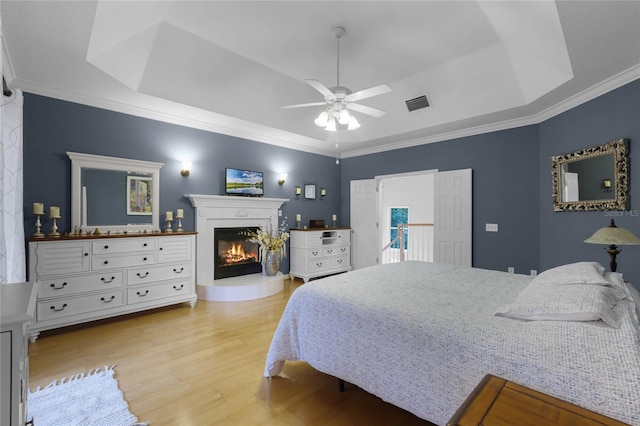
point(272, 245)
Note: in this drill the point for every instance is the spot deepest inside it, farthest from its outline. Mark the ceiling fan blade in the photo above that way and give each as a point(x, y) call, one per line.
point(367, 93)
point(366, 110)
point(303, 105)
point(328, 94)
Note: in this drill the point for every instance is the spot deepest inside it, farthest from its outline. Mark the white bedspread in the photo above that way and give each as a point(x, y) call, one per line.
point(422, 335)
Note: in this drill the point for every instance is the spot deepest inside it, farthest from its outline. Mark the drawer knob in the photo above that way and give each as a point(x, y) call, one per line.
point(319, 264)
point(107, 282)
point(144, 259)
point(54, 309)
point(106, 262)
point(329, 251)
point(178, 271)
point(107, 301)
point(106, 247)
point(175, 287)
point(315, 253)
point(142, 294)
point(86, 254)
point(146, 274)
point(53, 286)
point(339, 260)
point(160, 248)
point(144, 245)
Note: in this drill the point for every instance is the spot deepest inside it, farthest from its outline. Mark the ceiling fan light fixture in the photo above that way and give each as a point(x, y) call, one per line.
point(322, 119)
point(344, 117)
point(331, 126)
point(353, 124)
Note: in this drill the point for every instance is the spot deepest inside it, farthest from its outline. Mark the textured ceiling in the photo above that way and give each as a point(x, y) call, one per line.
point(229, 66)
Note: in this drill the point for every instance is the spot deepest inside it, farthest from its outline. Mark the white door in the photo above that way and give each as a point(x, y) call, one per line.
point(452, 224)
point(364, 232)
point(571, 187)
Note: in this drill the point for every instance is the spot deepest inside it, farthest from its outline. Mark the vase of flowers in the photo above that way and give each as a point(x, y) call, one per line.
point(272, 245)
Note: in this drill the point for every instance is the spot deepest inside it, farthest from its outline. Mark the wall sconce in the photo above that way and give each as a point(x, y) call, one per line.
point(323, 192)
point(298, 191)
point(606, 185)
point(186, 168)
point(283, 178)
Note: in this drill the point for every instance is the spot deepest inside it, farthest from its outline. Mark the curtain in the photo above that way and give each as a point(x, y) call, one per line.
point(12, 246)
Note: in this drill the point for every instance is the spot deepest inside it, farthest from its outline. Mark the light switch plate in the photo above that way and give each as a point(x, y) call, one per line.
point(491, 227)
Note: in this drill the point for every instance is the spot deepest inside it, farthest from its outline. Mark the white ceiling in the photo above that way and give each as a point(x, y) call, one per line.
point(228, 66)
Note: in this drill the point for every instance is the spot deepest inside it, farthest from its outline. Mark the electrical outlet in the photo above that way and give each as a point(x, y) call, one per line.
point(491, 227)
point(280, 213)
point(511, 270)
point(533, 272)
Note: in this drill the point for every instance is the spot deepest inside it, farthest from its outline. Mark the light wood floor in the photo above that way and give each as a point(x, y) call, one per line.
point(204, 366)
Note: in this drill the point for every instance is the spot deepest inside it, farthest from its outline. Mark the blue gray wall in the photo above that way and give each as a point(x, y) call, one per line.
point(53, 127)
point(505, 189)
point(611, 116)
point(511, 173)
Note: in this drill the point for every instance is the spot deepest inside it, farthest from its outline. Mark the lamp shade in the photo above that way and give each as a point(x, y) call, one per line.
point(613, 235)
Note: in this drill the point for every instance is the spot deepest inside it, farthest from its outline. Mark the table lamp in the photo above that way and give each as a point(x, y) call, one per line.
point(612, 236)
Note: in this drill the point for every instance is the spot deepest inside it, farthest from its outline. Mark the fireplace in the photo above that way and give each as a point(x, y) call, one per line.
point(233, 255)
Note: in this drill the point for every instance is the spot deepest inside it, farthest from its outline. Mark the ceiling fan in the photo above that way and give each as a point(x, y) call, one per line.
point(340, 100)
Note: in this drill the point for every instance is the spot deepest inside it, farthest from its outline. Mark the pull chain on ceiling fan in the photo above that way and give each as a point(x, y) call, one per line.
point(340, 99)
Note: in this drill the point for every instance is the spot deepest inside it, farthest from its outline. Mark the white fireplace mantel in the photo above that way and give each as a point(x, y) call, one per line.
point(220, 211)
point(235, 202)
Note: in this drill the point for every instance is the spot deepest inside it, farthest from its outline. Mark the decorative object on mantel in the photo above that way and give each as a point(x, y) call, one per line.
point(179, 217)
point(272, 245)
point(612, 235)
point(38, 210)
point(54, 213)
point(168, 218)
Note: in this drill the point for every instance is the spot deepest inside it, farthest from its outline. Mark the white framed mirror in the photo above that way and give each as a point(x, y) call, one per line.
point(594, 178)
point(114, 194)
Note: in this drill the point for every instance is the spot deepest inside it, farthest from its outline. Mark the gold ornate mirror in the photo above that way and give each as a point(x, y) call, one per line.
point(595, 178)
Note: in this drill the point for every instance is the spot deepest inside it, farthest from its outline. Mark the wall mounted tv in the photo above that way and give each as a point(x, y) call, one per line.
point(243, 182)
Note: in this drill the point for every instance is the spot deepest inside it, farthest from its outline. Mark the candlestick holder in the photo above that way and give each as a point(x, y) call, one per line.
point(168, 227)
point(38, 233)
point(54, 227)
point(179, 225)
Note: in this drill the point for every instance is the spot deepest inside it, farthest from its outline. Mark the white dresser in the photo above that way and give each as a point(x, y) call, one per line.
point(82, 279)
point(319, 252)
point(17, 306)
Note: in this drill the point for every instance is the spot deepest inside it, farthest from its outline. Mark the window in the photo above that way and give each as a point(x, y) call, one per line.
point(399, 215)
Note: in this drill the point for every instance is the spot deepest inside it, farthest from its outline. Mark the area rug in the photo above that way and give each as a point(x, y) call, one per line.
point(84, 399)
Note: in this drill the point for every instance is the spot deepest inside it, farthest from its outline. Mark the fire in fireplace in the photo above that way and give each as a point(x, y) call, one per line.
point(234, 255)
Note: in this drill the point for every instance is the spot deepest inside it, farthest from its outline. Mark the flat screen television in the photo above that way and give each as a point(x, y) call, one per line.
point(243, 182)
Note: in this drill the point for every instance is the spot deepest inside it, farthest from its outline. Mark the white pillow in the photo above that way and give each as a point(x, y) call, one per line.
point(573, 273)
point(563, 303)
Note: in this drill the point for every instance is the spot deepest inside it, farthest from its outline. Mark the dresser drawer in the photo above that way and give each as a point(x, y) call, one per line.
point(158, 291)
point(61, 308)
point(158, 273)
point(335, 250)
point(66, 286)
point(123, 260)
point(340, 262)
point(128, 245)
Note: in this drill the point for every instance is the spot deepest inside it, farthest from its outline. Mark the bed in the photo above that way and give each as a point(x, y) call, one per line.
point(422, 335)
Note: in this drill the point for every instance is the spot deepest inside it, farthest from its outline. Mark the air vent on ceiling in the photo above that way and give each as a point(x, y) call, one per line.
point(417, 103)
